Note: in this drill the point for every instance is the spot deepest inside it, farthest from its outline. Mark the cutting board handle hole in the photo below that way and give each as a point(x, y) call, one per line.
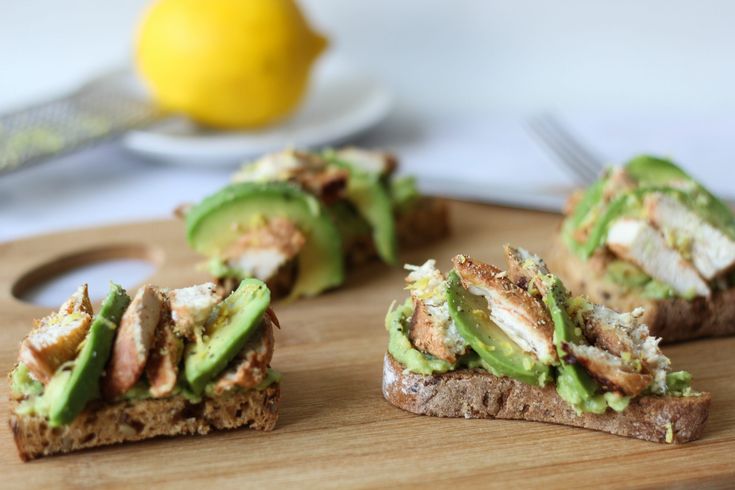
point(50, 284)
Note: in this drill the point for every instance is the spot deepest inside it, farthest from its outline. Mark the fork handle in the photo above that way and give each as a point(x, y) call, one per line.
point(519, 197)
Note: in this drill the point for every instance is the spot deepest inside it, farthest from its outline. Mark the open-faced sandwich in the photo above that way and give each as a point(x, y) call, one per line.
point(166, 363)
point(647, 234)
point(295, 219)
point(486, 343)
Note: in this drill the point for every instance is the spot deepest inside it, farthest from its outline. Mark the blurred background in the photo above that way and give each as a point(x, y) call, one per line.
point(463, 77)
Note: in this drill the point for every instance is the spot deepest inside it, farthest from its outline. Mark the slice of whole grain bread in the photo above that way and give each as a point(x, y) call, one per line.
point(479, 394)
point(111, 423)
point(673, 320)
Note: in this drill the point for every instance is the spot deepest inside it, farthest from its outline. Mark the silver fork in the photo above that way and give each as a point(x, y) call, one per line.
point(565, 148)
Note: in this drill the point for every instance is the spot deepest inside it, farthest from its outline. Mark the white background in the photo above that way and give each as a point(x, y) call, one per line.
point(439, 55)
point(631, 76)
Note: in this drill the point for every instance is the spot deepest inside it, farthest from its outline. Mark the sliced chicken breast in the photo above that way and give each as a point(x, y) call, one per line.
point(262, 251)
point(638, 242)
point(250, 367)
point(609, 370)
point(78, 302)
point(162, 368)
point(623, 335)
point(57, 337)
point(612, 331)
point(432, 329)
point(282, 165)
point(133, 343)
point(524, 268)
point(521, 316)
point(428, 333)
point(711, 251)
point(305, 169)
point(191, 307)
point(617, 182)
point(370, 161)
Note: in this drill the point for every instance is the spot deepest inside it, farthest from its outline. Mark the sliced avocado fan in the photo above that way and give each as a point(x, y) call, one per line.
point(498, 353)
point(216, 223)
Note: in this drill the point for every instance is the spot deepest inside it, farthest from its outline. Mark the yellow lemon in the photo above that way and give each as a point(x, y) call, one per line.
point(228, 63)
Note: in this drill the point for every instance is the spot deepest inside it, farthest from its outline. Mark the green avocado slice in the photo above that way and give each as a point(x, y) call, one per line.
point(654, 171)
point(498, 353)
point(216, 223)
point(573, 383)
point(403, 192)
point(591, 198)
point(400, 347)
point(70, 389)
point(369, 194)
point(351, 225)
point(234, 320)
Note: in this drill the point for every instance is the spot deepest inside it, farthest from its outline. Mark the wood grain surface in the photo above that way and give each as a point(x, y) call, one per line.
point(335, 428)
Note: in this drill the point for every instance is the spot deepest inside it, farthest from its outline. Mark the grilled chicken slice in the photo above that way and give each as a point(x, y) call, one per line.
point(428, 334)
point(262, 251)
point(623, 335)
point(370, 161)
point(610, 371)
point(57, 337)
point(191, 307)
point(305, 169)
point(162, 368)
point(524, 268)
point(78, 302)
point(329, 183)
point(612, 331)
point(711, 251)
point(638, 242)
point(432, 329)
point(617, 182)
point(133, 343)
point(521, 316)
point(250, 367)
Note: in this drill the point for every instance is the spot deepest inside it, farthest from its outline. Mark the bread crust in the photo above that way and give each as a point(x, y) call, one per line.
point(478, 394)
point(674, 320)
point(103, 423)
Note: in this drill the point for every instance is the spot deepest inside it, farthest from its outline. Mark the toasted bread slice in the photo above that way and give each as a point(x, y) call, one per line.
point(475, 393)
point(149, 393)
point(673, 320)
point(125, 421)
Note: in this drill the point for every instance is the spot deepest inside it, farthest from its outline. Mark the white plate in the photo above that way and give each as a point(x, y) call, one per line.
point(341, 104)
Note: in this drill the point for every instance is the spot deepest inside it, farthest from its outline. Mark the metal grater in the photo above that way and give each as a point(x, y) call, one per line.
point(97, 111)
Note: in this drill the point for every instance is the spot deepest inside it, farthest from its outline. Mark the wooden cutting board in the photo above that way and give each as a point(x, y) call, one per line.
point(335, 428)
